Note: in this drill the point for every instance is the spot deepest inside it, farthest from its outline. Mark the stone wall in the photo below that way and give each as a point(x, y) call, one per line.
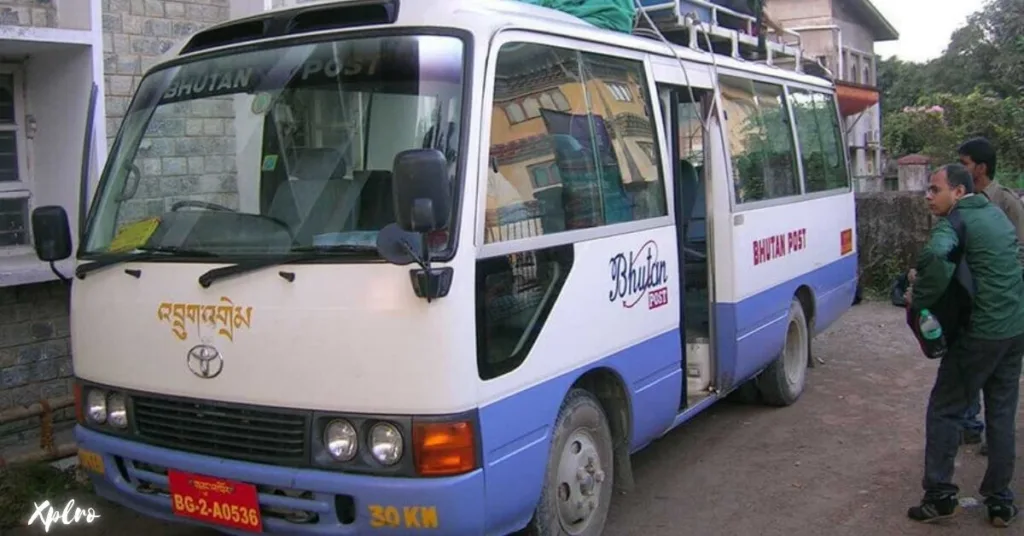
point(35, 357)
point(189, 146)
point(37, 13)
point(891, 229)
point(136, 33)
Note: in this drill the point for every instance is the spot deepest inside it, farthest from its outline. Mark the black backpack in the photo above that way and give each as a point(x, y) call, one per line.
point(953, 310)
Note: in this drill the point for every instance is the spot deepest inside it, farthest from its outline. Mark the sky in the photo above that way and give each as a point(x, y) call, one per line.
point(924, 26)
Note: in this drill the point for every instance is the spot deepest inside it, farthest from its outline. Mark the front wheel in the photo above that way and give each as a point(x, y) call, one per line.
point(782, 383)
point(578, 485)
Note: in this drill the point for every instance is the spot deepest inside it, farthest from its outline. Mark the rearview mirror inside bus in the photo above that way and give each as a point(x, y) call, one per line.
point(51, 233)
point(422, 193)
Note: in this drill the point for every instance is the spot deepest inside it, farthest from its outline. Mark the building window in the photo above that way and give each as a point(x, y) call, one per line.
point(620, 92)
point(13, 222)
point(515, 113)
point(14, 183)
point(530, 106)
point(545, 175)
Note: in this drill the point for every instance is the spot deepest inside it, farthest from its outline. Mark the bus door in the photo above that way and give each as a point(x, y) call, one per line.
point(683, 110)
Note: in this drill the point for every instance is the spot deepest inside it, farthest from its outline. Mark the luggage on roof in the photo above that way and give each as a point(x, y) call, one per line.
point(615, 15)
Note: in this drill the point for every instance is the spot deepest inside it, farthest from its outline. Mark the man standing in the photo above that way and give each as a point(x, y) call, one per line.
point(987, 355)
point(979, 157)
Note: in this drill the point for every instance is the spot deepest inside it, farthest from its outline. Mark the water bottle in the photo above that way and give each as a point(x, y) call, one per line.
point(931, 332)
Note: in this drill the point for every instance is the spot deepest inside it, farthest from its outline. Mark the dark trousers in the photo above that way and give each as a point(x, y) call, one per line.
point(994, 367)
point(971, 421)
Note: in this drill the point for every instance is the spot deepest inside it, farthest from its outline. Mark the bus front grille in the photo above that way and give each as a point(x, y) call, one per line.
point(245, 433)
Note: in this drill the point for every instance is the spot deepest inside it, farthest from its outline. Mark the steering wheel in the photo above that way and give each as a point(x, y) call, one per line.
point(200, 204)
point(221, 208)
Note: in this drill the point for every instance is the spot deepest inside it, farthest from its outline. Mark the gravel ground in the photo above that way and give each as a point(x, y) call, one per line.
point(846, 459)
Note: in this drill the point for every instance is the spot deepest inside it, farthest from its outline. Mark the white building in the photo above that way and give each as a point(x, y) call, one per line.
point(841, 34)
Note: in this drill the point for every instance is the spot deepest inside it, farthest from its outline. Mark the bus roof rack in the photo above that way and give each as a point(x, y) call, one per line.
point(696, 23)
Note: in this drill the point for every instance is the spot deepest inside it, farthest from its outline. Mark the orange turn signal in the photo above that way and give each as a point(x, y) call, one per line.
point(444, 448)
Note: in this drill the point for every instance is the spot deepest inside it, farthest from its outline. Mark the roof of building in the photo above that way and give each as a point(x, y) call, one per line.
point(881, 28)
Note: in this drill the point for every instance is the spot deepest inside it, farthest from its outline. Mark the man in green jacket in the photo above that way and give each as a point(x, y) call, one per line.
point(986, 357)
point(979, 157)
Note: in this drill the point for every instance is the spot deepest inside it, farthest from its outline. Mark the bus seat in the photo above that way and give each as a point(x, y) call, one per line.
point(307, 203)
point(376, 206)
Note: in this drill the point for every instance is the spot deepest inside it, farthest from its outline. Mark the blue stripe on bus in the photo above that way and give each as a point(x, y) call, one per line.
point(750, 333)
point(458, 500)
point(516, 431)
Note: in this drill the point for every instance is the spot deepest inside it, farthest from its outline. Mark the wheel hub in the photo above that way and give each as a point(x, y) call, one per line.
point(580, 474)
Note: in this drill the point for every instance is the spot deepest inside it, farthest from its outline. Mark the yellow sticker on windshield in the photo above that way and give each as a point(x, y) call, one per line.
point(133, 235)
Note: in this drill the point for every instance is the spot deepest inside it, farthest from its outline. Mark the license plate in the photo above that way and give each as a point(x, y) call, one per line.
point(215, 500)
point(90, 461)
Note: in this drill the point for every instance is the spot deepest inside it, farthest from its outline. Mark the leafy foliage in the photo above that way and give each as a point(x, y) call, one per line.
point(973, 88)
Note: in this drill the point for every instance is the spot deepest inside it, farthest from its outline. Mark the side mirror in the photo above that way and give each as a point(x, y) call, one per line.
point(51, 233)
point(422, 191)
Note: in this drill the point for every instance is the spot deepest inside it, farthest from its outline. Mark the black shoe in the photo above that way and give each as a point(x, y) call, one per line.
point(932, 510)
point(1001, 514)
point(971, 437)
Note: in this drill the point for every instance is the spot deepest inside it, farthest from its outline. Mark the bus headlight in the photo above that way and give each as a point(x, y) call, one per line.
point(341, 440)
point(117, 411)
point(96, 406)
point(386, 443)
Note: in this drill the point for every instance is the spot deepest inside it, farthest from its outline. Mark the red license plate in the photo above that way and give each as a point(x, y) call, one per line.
point(215, 500)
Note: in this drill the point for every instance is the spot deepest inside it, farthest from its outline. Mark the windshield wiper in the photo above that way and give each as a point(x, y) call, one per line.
point(178, 251)
point(335, 248)
point(148, 253)
point(297, 254)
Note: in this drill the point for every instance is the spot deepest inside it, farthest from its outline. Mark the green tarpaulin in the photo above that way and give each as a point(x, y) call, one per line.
point(609, 14)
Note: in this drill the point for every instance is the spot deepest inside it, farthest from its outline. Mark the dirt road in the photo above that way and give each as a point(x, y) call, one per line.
point(846, 459)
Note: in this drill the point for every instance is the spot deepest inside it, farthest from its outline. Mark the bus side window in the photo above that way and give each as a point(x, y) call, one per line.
point(820, 140)
point(574, 143)
point(760, 140)
point(514, 295)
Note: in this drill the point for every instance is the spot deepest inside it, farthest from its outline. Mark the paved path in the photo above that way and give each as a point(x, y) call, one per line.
point(846, 459)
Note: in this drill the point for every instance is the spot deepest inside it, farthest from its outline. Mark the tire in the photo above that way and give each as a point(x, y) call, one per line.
point(746, 393)
point(579, 462)
point(782, 383)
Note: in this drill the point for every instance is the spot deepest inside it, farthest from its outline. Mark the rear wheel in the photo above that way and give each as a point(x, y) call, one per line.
point(782, 383)
point(578, 484)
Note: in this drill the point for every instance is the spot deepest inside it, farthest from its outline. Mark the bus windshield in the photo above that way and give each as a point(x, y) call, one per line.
point(277, 150)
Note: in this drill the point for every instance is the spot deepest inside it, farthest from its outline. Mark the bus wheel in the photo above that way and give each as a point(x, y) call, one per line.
point(782, 383)
point(578, 485)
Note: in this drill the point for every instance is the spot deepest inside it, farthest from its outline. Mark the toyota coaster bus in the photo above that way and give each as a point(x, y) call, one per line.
point(382, 267)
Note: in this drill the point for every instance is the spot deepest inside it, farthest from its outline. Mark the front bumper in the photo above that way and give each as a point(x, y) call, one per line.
point(342, 503)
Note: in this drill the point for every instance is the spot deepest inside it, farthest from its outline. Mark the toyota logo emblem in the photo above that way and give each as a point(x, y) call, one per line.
point(205, 361)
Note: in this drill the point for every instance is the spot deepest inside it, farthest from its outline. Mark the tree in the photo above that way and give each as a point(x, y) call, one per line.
point(972, 89)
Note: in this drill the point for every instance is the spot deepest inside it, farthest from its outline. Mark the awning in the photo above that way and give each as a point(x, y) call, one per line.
point(854, 98)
